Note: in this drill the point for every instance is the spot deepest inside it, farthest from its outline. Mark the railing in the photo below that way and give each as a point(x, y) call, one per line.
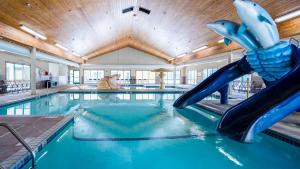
point(239, 86)
point(22, 141)
point(246, 86)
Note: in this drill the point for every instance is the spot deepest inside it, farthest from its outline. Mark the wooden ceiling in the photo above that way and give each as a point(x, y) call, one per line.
point(95, 27)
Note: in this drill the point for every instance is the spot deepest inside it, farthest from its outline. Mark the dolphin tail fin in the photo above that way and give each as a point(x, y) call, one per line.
point(227, 41)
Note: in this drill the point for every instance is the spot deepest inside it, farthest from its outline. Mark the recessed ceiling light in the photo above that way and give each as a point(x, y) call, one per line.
point(32, 32)
point(145, 10)
point(61, 46)
point(221, 41)
point(288, 16)
point(201, 48)
point(179, 56)
point(129, 9)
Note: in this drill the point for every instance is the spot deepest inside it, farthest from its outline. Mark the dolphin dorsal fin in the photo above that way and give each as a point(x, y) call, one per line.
point(242, 29)
point(227, 41)
point(264, 19)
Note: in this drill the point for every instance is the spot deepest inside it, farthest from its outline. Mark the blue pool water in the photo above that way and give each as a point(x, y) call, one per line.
point(143, 131)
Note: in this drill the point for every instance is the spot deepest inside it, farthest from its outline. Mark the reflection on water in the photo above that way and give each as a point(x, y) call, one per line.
point(62, 103)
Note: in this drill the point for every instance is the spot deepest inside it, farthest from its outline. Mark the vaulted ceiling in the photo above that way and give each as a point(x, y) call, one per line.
point(95, 27)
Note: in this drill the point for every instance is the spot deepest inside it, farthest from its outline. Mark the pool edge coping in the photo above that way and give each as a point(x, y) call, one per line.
point(22, 157)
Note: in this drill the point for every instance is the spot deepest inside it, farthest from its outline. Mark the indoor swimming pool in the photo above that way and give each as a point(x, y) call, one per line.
point(137, 130)
point(65, 103)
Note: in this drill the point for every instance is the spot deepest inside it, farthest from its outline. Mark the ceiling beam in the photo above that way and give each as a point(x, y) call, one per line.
point(23, 38)
point(128, 42)
point(286, 29)
point(111, 47)
point(142, 46)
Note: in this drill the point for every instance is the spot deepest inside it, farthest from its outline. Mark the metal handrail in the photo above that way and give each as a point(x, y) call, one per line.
point(21, 140)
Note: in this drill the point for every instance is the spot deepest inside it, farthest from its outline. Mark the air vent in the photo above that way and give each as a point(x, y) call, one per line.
point(147, 11)
point(128, 9)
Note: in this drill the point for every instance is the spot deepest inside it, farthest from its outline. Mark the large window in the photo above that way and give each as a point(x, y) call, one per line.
point(145, 77)
point(169, 78)
point(124, 75)
point(74, 76)
point(192, 77)
point(92, 76)
point(17, 71)
point(208, 72)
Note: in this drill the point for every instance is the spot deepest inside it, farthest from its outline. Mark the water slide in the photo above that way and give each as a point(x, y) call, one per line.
point(243, 121)
point(277, 62)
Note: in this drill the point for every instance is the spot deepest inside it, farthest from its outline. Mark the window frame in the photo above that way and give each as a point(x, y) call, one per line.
point(94, 81)
point(122, 79)
point(145, 80)
point(16, 63)
point(192, 81)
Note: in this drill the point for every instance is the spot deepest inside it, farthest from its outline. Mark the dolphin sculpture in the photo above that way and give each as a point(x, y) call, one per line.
point(230, 31)
point(258, 21)
point(278, 63)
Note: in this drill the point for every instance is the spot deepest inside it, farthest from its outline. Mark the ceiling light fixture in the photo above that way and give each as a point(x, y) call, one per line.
point(201, 48)
point(84, 58)
point(32, 32)
point(61, 46)
point(76, 54)
point(221, 41)
point(288, 16)
point(179, 56)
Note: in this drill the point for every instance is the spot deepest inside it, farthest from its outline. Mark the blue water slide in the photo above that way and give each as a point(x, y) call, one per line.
point(218, 81)
point(244, 120)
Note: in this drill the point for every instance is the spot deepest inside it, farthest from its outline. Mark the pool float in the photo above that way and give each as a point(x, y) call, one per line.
point(278, 63)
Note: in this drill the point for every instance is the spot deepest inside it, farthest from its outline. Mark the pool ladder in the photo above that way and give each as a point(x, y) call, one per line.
point(22, 141)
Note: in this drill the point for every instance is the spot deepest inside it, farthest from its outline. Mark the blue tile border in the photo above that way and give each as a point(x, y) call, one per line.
point(86, 92)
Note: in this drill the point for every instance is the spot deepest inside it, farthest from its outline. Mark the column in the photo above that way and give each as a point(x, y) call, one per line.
point(174, 76)
point(33, 71)
point(81, 74)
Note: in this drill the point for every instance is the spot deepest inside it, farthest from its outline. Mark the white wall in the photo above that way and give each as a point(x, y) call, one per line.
point(59, 73)
point(125, 59)
point(127, 56)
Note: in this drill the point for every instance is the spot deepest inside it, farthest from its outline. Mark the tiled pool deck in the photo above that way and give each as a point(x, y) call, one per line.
point(288, 127)
point(37, 132)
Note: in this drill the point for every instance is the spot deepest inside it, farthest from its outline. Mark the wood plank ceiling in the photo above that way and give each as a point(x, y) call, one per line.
point(94, 27)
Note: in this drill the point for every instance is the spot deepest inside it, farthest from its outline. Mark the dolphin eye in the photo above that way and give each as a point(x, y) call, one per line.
point(223, 23)
point(254, 4)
